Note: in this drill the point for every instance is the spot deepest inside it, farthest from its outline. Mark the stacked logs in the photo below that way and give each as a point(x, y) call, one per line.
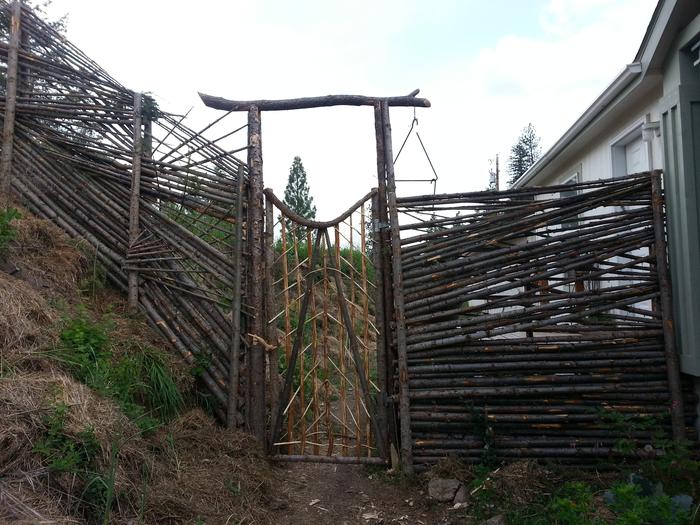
point(73, 162)
point(533, 323)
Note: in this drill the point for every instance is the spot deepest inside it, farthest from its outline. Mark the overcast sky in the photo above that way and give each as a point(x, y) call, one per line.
point(488, 66)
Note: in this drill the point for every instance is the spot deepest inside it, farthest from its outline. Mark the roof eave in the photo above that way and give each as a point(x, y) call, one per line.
point(624, 79)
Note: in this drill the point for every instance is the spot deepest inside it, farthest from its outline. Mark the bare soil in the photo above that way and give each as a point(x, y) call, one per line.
point(349, 494)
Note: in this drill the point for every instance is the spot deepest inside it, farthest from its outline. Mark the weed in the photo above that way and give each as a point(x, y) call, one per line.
point(632, 508)
point(7, 231)
point(61, 451)
point(233, 488)
point(138, 380)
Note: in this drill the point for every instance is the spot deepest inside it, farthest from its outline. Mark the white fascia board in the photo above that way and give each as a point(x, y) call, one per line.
point(623, 80)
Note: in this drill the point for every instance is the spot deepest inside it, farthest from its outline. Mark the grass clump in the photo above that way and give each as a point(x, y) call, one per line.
point(137, 379)
point(62, 452)
point(7, 230)
point(77, 454)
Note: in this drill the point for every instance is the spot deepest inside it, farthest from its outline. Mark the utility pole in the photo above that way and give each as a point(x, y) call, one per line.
point(494, 176)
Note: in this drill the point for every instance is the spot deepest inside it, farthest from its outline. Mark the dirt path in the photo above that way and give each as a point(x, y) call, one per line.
point(349, 494)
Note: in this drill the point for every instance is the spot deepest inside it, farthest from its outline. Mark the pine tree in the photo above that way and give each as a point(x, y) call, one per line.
point(296, 195)
point(523, 154)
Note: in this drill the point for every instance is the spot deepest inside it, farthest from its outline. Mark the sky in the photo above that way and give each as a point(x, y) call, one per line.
point(489, 67)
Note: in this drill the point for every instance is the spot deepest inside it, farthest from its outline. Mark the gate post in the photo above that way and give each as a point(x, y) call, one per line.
point(8, 130)
point(404, 401)
point(672, 366)
point(256, 363)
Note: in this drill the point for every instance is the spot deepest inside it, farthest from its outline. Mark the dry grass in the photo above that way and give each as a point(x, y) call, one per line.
point(209, 472)
point(26, 322)
point(523, 481)
point(191, 468)
point(46, 257)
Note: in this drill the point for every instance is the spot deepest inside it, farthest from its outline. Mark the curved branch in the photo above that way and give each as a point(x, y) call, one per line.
point(303, 221)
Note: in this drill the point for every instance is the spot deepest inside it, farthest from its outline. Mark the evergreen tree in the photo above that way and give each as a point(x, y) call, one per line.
point(523, 154)
point(296, 194)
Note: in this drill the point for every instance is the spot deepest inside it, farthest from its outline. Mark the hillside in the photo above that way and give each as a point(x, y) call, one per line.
point(100, 424)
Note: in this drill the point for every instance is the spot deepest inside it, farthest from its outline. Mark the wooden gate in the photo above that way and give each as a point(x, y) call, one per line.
point(321, 336)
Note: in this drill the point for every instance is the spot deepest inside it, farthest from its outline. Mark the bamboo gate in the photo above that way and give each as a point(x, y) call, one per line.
point(525, 323)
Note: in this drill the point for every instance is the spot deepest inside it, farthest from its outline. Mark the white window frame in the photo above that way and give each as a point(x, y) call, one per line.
point(617, 148)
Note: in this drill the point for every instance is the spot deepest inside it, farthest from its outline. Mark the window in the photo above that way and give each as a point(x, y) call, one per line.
point(573, 178)
point(630, 153)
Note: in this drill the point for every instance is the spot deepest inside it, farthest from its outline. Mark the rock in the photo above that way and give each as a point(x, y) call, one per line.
point(461, 496)
point(443, 489)
point(496, 520)
point(646, 487)
point(683, 501)
point(608, 497)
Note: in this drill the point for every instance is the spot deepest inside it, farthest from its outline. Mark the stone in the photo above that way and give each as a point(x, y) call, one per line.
point(462, 495)
point(683, 501)
point(441, 489)
point(495, 520)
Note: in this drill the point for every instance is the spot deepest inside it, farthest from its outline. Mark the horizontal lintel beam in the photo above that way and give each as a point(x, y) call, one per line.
point(410, 100)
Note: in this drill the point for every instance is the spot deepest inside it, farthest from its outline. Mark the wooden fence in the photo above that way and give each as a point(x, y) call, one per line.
point(526, 323)
point(538, 323)
point(162, 206)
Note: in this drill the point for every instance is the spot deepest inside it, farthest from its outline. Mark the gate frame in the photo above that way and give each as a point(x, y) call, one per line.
point(390, 299)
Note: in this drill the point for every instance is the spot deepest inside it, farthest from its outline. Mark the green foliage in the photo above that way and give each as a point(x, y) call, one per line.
point(61, 451)
point(677, 468)
point(632, 508)
point(574, 505)
point(7, 231)
point(524, 153)
point(149, 108)
point(296, 194)
point(138, 380)
point(77, 454)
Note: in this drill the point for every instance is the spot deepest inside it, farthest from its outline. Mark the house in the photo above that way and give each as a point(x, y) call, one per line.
point(649, 118)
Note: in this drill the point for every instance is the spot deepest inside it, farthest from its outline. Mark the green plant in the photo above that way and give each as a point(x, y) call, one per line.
point(7, 230)
point(676, 467)
point(137, 380)
point(61, 451)
point(632, 508)
point(573, 505)
point(232, 487)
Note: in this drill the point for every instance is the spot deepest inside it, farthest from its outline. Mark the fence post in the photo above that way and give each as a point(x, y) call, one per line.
point(8, 129)
point(270, 304)
point(404, 402)
point(235, 353)
point(133, 277)
point(672, 366)
point(256, 362)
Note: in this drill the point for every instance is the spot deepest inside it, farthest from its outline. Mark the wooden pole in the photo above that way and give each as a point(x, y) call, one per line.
point(270, 306)
point(410, 100)
point(235, 354)
point(672, 366)
point(255, 231)
point(384, 284)
point(134, 227)
point(380, 320)
point(404, 400)
point(8, 130)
